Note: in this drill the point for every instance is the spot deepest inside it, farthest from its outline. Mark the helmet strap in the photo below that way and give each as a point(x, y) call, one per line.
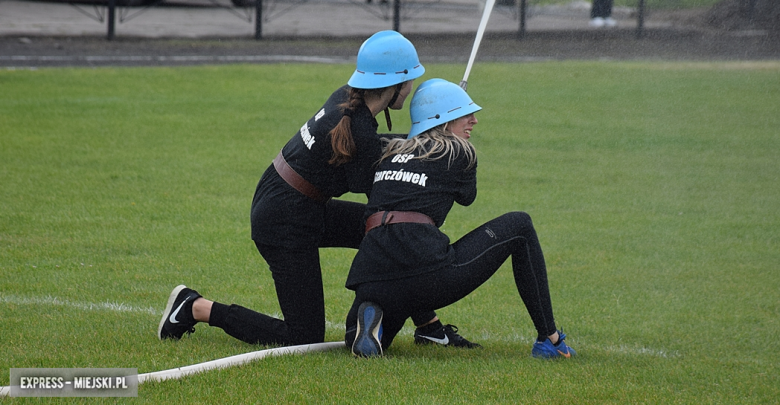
point(392, 101)
point(387, 118)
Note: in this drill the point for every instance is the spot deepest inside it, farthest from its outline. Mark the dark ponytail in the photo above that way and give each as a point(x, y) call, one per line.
point(341, 140)
point(341, 135)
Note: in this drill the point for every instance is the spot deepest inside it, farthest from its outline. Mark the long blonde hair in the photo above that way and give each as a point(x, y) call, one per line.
point(435, 143)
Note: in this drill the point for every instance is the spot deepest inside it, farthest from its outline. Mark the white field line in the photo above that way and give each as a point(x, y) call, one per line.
point(622, 349)
point(85, 306)
point(642, 350)
point(339, 326)
point(114, 306)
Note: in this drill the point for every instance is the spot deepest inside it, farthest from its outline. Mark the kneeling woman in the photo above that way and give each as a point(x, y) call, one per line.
point(406, 264)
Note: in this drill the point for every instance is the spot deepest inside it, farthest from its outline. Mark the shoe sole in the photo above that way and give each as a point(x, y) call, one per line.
point(367, 342)
point(168, 308)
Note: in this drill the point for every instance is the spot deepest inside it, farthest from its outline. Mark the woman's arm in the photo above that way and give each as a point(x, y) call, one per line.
point(467, 186)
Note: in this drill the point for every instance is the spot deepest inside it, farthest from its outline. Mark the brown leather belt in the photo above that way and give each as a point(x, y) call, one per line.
point(396, 217)
point(296, 181)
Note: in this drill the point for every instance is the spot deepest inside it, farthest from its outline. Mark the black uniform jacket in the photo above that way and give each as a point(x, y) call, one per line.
point(430, 187)
point(282, 216)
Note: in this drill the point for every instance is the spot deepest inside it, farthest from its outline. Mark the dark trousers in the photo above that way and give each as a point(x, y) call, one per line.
point(298, 280)
point(477, 257)
point(601, 8)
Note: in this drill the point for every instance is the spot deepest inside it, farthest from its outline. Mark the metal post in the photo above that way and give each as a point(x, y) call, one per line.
point(111, 18)
point(640, 18)
point(258, 19)
point(397, 15)
point(521, 32)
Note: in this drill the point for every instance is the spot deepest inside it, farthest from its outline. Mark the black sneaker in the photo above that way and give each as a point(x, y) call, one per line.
point(177, 318)
point(369, 331)
point(447, 335)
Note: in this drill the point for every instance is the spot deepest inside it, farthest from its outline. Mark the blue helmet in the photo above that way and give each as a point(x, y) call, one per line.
point(385, 59)
point(436, 102)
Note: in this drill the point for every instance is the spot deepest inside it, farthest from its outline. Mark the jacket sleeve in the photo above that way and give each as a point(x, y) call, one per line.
point(467, 186)
point(360, 170)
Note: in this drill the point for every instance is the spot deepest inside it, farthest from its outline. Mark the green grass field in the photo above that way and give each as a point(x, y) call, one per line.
point(653, 186)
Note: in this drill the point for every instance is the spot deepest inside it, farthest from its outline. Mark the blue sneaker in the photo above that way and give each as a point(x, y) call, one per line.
point(548, 350)
point(369, 331)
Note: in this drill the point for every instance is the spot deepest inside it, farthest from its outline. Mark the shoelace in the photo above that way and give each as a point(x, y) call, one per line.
point(454, 333)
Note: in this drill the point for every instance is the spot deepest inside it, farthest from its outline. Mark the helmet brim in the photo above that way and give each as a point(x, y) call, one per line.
point(379, 80)
point(439, 119)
